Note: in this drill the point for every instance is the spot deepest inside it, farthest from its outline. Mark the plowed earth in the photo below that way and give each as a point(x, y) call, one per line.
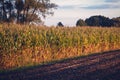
point(104, 66)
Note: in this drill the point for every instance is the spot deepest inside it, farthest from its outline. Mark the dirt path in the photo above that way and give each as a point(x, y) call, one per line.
point(104, 66)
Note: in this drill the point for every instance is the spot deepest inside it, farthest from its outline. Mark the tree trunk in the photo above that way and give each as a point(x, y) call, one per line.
point(4, 11)
point(18, 15)
point(10, 9)
point(27, 10)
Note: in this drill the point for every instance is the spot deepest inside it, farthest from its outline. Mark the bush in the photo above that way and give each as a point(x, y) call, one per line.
point(99, 21)
point(60, 24)
point(81, 22)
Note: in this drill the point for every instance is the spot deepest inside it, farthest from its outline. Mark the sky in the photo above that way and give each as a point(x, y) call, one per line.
point(69, 11)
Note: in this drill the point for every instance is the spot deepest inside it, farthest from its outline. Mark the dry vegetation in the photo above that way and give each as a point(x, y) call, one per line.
point(24, 45)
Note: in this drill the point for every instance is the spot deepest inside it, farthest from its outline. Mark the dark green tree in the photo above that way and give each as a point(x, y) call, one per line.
point(99, 21)
point(25, 11)
point(116, 21)
point(81, 22)
point(60, 24)
point(5, 10)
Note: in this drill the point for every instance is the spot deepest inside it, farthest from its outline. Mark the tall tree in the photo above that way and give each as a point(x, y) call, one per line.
point(6, 7)
point(19, 5)
point(25, 11)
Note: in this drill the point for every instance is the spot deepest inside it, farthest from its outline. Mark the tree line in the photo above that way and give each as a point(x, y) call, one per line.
point(25, 11)
point(99, 21)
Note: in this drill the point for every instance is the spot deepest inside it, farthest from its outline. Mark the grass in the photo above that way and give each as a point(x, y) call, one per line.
point(27, 45)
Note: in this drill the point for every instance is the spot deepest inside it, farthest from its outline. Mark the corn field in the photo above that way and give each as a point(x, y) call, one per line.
point(22, 45)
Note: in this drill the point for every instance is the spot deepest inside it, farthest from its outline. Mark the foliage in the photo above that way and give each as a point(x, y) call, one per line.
point(22, 45)
point(60, 24)
point(81, 22)
point(24, 11)
point(99, 21)
point(116, 21)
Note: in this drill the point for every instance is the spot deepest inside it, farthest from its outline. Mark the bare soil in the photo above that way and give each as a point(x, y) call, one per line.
point(104, 66)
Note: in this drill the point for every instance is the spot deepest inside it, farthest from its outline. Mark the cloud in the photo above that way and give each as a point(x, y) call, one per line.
point(67, 7)
point(76, 2)
point(102, 6)
point(70, 16)
point(85, 4)
point(69, 11)
point(112, 0)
